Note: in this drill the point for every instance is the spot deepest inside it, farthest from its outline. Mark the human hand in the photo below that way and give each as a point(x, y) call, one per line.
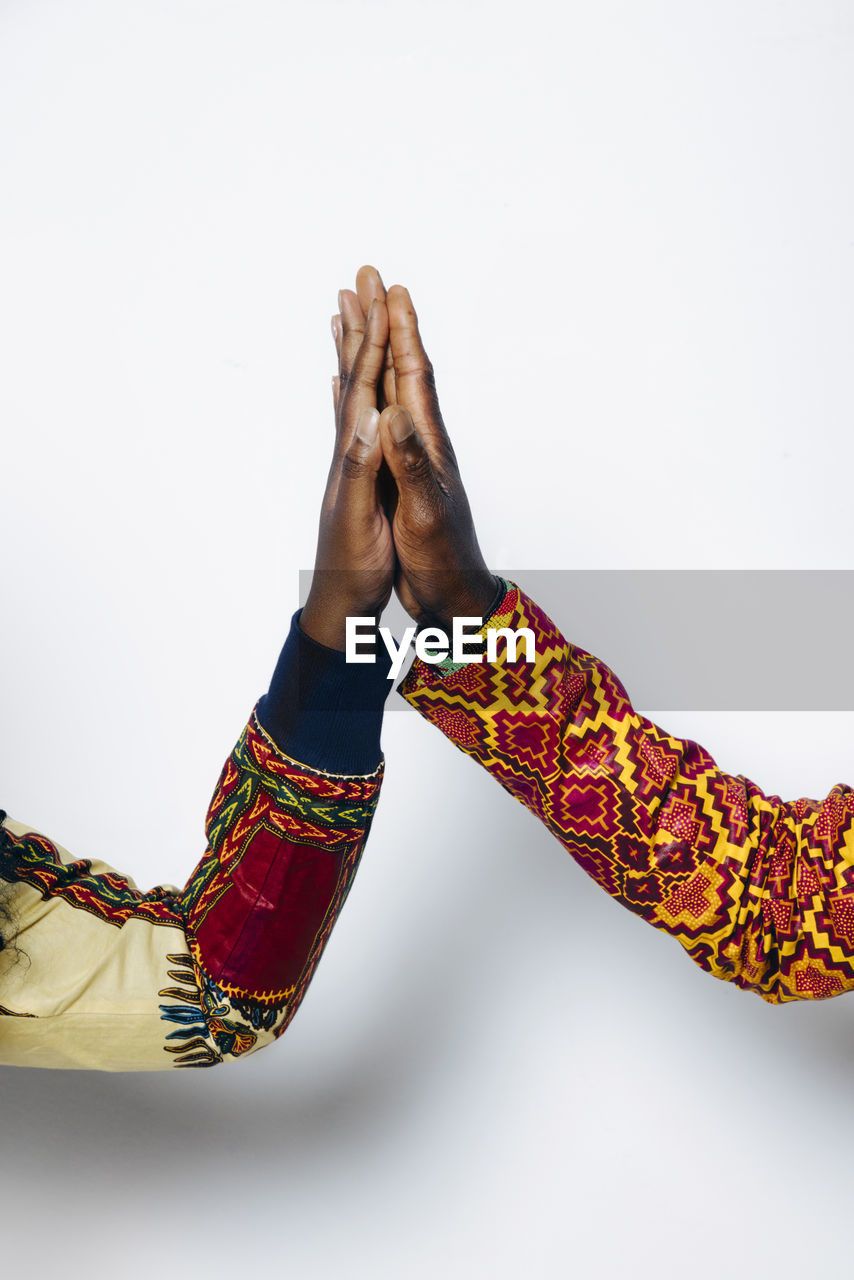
point(355, 561)
point(441, 573)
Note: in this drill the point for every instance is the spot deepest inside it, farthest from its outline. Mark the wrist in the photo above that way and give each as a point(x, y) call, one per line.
point(476, 598)
point(322, 711)
point(329, 626)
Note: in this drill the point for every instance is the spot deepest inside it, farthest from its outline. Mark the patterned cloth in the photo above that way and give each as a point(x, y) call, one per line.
point(759, 891)
point(111, 978)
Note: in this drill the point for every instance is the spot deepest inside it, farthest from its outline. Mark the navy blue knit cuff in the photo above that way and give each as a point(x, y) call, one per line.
point(323, 711)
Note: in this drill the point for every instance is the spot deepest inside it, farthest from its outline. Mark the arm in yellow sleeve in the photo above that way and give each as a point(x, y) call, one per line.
point(759, 891)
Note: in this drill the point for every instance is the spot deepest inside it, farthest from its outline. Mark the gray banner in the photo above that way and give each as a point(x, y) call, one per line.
point(708, 639)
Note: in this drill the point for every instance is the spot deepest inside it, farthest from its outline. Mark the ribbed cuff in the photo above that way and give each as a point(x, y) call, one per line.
point(323, 711)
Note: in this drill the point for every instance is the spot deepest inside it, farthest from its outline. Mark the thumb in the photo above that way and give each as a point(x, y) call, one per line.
point(360, 465)
point(406, 455)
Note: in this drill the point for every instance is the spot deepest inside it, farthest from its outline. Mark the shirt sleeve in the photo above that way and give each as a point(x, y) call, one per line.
point(323, 710)
point(100, 975)
point(758, 890)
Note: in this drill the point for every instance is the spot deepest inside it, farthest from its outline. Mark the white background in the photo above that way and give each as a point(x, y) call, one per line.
point(628, 231)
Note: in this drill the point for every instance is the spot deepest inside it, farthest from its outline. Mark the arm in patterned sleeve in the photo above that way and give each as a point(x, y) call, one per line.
point(110, 978)
point(759, 891)
point(102, 976)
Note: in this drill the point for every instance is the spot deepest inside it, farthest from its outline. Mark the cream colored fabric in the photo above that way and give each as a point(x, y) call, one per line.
point(81, 992)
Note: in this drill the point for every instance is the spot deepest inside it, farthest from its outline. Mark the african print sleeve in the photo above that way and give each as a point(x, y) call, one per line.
point(99, 975)
point(758, 890)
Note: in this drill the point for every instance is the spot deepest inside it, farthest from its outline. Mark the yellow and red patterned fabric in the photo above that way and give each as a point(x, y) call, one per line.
point(758, 890)
point(103, 976)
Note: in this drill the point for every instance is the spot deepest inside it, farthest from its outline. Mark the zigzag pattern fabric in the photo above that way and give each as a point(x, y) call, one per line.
point(116, 979)
point(758, 890)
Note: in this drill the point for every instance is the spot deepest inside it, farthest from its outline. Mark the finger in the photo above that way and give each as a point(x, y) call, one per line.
point(352, 330)
point(389, 385)
point(408, 461)
point(415, 386)
point(359, 391)
point(369, 285)
point(337, 334)
point(360, 464)
point(332, 473)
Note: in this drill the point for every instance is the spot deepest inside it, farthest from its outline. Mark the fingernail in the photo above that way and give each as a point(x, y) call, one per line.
point(368, 425)
point(334, 328)
point(340, 308)
point(401, 426)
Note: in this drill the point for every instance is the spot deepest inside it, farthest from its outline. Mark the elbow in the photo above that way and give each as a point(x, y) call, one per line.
point(209, 1027)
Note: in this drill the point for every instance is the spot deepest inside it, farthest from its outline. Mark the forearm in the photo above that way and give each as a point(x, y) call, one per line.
point(110, 978)
point(286, 827)
point(284, 843)
point(757, 890)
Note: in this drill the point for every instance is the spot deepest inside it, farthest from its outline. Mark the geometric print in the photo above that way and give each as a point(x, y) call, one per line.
point(759, 891)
